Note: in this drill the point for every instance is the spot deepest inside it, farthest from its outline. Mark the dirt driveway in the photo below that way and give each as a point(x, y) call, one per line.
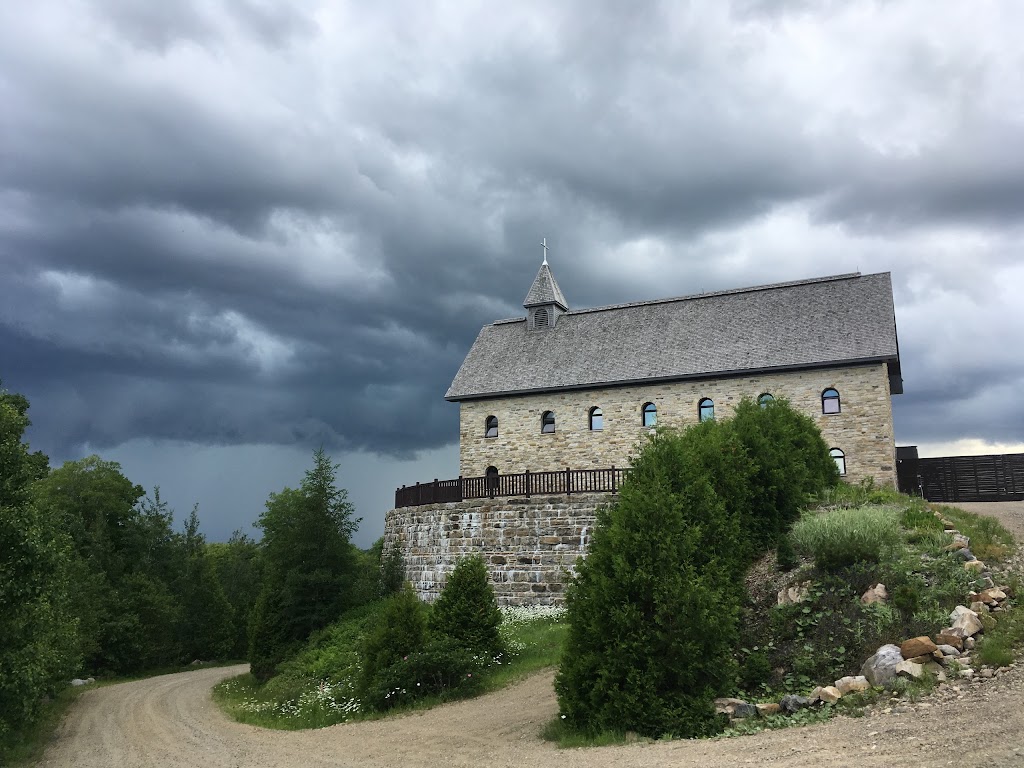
point(171, 722)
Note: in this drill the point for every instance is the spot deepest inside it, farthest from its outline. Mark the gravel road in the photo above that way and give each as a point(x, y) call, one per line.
point(171, 722)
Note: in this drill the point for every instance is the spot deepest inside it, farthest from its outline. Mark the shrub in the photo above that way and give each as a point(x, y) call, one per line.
point(467, 611)
point(442, 667)
point(789, 462)
point(653, 609)
point(398, 630)
point(842, 537)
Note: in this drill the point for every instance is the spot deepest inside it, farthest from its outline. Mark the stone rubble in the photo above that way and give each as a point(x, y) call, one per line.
point(914, 658)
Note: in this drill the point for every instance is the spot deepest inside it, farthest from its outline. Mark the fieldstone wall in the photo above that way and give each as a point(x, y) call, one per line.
point(528, 543)
point(863, 430)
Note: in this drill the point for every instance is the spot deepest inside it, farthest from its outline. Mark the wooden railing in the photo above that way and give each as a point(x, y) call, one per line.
point(567, 481)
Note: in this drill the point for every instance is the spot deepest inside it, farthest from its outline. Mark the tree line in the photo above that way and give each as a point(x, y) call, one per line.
point(96, 581)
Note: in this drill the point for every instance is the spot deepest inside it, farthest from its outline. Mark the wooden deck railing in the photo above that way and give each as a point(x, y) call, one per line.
point(567, 481)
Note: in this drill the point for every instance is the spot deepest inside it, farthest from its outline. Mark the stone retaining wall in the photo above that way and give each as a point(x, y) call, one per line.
point(528, 543)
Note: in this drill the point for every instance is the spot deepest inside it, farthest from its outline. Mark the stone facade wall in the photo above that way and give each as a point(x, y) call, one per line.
point(863, 429)
point(528, 544)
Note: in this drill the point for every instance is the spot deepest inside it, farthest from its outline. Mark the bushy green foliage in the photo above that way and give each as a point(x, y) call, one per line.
point(38, 643)
point(239, 571)
point(206, 628)
point(442, 667)
point(400, 628)
point(789, 461)
point(310, 566)
point(652, 610)
point(843, 537)
point(466, 610)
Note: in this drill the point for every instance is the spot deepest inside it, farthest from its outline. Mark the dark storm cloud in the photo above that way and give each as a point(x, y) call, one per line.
point(266, 223)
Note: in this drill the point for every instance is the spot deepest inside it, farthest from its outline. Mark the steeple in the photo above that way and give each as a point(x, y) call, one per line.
point(545, 301)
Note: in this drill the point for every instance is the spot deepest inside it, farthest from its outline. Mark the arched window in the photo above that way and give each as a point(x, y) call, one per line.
point(492, 480)
point(540, 318)
point(764, 399)
point(840, 459)
point(596, 419)
point(491, 426)
point(547, 422)
point(706, 409)
point(830, 401)
point(650, 415)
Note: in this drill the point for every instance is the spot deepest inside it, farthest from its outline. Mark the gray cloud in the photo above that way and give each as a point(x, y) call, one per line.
point(269, 224)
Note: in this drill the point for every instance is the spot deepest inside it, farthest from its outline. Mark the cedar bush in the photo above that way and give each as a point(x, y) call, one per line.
point(467, 611)
point(653, 609)
point(790, 462)
point(397, 631)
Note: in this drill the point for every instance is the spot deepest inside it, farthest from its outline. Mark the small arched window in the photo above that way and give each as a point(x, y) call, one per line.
point(706, 409)
point(596, 419)
point(491, 427)
point(830, 401)
point(547, 422)
point(764, 399)
point(540, 318)
point(649, 415)
point(840, 459)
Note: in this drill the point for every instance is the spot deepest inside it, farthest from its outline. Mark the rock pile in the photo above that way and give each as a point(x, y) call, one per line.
point(948, 651)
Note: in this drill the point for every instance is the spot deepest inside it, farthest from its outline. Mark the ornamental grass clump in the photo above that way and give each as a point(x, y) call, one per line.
point(842, 537)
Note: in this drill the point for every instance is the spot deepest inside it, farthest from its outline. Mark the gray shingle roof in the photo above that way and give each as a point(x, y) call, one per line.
point(545, 290)
point(827, 321)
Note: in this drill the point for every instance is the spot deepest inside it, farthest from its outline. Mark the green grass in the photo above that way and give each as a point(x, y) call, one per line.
point(990, 541)
point(1000, 644)
point(316, 689)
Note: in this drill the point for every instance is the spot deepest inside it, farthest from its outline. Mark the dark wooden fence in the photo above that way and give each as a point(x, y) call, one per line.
point(567, 481)
point(961, 478)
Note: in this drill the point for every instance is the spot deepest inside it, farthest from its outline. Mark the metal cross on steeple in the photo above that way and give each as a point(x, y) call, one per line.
point(544, 245)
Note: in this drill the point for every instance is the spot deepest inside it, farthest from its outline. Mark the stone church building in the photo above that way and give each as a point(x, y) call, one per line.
point(580, 388)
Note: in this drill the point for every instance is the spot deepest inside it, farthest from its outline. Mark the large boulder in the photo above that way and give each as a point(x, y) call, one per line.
point(880, 668)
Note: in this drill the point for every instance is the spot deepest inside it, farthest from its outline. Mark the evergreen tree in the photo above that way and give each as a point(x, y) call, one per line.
point(309, 562)
point(467, 611)
point(653, 609)
point(207, 623)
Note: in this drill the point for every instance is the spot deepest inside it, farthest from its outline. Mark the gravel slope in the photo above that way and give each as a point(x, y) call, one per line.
point(171, 722)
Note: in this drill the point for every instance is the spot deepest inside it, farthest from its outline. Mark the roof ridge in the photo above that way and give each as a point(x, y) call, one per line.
point(706, 294)
point(724, 292)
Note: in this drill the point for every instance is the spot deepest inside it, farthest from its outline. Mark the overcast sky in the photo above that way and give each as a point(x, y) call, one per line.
point(230, 233)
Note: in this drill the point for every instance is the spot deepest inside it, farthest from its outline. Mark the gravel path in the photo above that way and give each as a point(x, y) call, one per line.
point(171, 722)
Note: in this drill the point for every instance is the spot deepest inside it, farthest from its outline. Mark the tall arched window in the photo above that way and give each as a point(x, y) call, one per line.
point(547, 422)
point(596, 419)
point(492, 480)
point(491, 427)
point(649, 415)
point(840, 459)
point(764, 399)
point(830, 401)
point(706, 409)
